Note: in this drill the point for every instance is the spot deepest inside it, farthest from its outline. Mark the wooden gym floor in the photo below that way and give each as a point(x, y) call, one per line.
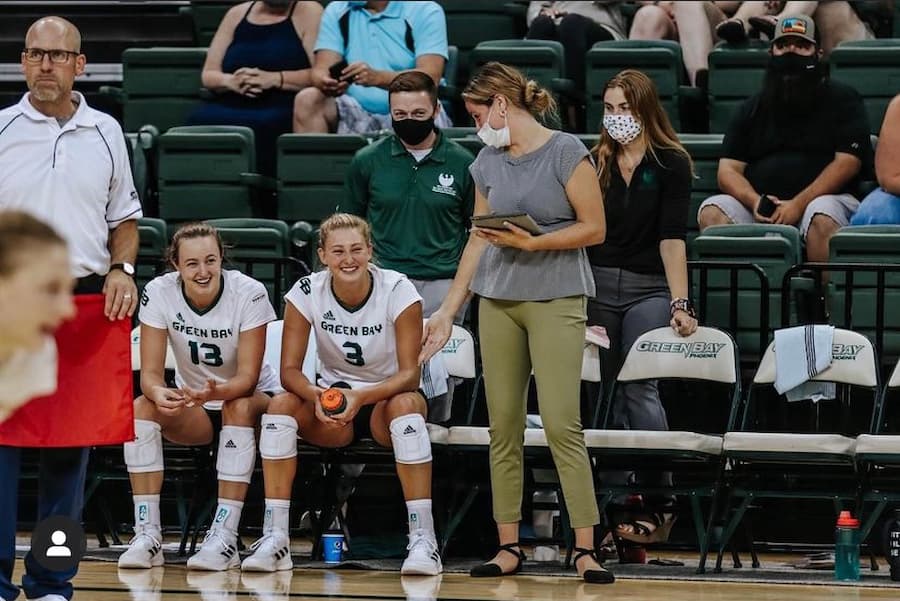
point(102, 581)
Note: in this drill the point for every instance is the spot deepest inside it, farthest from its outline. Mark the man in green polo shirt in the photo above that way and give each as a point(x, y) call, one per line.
point(415, 190)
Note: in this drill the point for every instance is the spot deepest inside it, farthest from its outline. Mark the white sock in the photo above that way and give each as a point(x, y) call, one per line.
point(228, 515)
point(419, 515)
point(278, 513)
point(146, 512)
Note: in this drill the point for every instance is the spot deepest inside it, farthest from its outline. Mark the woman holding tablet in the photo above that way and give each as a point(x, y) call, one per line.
point(534, 291)
point(641, 269)
point(215, 321)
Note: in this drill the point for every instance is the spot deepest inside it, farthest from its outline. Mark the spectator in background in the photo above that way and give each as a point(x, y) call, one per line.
point(690, 23)
point(361, 48)
point(837, 20)
point(798, 147)
point(883, 204)
point(533, 294)
point(641, 268)
point(578, 26)
point(415, 190)
point(256, 62)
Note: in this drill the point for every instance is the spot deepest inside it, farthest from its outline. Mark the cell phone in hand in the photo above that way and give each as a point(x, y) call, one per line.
point(336, 69)
point(766, 206)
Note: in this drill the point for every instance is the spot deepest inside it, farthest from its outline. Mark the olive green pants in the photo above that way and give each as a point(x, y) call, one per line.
point(548, 337)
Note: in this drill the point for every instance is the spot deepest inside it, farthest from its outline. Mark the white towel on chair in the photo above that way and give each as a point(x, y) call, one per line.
point(801, 353)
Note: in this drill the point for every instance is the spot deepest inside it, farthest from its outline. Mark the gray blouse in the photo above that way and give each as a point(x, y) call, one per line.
point(534, 183)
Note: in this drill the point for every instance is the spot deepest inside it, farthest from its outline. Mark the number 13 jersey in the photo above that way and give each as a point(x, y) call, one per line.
point(356, 346)
point(205, 343)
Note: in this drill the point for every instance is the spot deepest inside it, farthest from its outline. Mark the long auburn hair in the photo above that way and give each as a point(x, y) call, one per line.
point(641, 95)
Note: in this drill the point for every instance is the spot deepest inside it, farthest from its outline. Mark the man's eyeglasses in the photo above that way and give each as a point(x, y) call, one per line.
point(36, 55)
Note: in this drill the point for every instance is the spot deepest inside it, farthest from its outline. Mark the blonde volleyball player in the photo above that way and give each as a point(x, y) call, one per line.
point(368, 329)
point(35, 298)
point(215, 322)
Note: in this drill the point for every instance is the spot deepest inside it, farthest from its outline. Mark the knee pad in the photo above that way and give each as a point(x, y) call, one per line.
point(144, 453)
point(409, 436)
point(279, 437)
point(237, 454)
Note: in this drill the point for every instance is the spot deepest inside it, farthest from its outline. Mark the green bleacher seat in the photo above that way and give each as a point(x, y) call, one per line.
point(206, 17)
point(160, 86)
point(152, 245)
point(774, 248)
point(705, 150)
point(897, 18)
point(260, 248)
point(541, 60)
point(472, 21)
point(209, 171)
point(472, 143)
point(872, 67)
point(311, 173)
point(735, 74)
point(659, 59)
point(867, 244)
point(459, 132)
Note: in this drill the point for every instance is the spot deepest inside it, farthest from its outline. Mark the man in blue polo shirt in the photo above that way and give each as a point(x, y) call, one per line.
point(361, 47)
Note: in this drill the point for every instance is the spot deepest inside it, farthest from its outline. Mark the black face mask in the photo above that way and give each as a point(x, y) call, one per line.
point(791, 63)
point(791, 84)
point(413, 131)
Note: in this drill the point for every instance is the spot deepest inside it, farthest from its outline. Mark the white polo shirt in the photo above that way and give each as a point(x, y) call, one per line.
point(77, 177)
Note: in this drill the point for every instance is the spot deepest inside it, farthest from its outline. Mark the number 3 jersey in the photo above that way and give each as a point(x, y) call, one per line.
point(205, 343)
point(358, 347)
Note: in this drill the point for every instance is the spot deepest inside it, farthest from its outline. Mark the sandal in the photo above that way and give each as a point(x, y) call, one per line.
point(595, 575)
point(765, 24)
point(732, 31)
point(648, 528)
point(492, 570)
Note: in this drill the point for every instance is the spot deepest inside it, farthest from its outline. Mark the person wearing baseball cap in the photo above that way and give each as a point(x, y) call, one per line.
point(795, 152)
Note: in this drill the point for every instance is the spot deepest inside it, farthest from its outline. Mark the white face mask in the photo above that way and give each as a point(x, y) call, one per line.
point(498, 138)
point(622, 128)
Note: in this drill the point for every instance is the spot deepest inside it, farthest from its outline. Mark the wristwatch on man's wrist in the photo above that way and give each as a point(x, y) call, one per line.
point(128, 268)
point(682, 304)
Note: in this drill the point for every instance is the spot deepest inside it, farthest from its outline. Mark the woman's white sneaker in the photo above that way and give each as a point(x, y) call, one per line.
point(424, 557)
point(144, 551)
point(271, 553)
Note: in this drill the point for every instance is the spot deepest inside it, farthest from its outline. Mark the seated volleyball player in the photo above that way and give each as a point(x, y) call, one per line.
point(368, 329)
point(215, 321)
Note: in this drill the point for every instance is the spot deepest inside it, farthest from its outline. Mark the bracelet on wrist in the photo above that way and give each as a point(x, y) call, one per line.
point(682, 304)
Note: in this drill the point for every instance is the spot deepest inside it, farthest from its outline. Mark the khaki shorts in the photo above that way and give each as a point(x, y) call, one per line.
point(839, 207)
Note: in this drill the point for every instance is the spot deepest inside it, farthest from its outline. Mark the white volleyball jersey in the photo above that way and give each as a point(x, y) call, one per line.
point(357, 347)
point(205, 343)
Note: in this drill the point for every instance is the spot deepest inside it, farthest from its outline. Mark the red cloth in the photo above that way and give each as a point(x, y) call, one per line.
point(93, 400)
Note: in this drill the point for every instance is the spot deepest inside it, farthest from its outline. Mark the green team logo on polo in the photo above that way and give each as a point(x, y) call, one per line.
point(845, 352)
point(445, 184)
point(690, 350)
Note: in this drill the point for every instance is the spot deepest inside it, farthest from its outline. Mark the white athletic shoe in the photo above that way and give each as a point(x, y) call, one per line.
point(144, 551)
point(271, 553)
point(424, 557)
point(217, 553)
